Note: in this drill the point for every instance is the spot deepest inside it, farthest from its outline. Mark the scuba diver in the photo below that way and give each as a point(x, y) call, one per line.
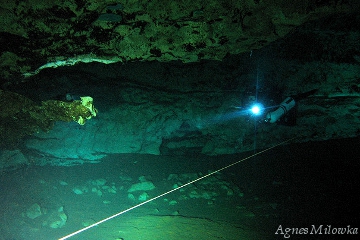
point(285, 113)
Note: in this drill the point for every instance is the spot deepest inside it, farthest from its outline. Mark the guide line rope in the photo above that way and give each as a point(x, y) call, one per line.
point(173, 190)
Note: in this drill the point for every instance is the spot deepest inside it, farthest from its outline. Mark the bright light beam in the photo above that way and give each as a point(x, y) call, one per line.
point(256, 109)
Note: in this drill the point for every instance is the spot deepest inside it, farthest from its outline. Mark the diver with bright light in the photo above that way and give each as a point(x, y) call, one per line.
point(287, 109)
point(284, 113)
point(282, 110)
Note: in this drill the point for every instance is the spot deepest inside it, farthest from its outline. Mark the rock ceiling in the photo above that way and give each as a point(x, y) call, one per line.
point(34, 33)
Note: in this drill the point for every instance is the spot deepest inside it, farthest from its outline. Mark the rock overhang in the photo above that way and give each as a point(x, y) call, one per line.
point(43, 32)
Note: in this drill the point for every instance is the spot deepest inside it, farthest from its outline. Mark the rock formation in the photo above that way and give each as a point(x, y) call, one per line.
point(177, 77)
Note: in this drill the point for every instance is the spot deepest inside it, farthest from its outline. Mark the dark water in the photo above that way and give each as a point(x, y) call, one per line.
point(295, 186)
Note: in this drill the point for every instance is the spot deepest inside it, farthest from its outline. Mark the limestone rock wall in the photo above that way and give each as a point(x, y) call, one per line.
point(204, 119)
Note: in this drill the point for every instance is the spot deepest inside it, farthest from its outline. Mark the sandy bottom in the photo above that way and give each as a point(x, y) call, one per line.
point(294, 186)
point(222, 216)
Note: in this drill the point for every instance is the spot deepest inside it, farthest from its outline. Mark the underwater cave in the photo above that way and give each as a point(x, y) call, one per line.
point(179, 120)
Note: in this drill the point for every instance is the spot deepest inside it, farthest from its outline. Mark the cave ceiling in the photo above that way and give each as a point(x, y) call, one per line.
point(35, 33)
